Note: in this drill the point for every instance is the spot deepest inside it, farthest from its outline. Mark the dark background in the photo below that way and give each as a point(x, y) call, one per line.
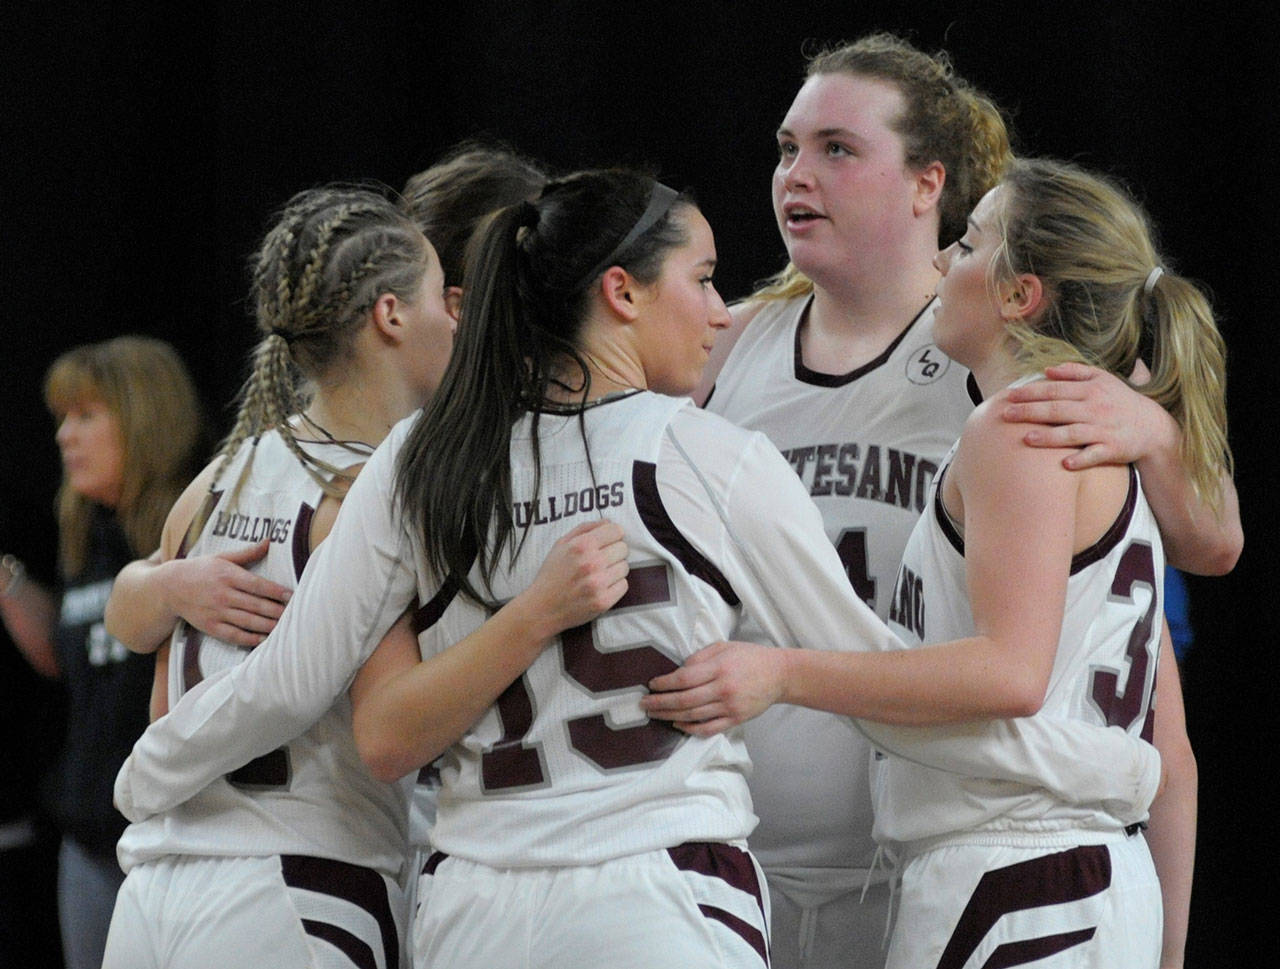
point(145, 149)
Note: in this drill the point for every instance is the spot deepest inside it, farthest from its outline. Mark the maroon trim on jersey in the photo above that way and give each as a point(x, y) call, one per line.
point(732, 866)
point(433, 862)
point(1103, 546)
point(362, 887)
point(271, 771)
point(807, 376)
point(426, 616)
point(302, 538)
point(1031, 950)
point(196, 528)
point(1064, 876)
point(1081, 560)
point(644, 485)
point(942, 518)
point(974, 391)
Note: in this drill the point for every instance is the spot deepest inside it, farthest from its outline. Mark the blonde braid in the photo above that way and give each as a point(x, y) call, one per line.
point(306, 305)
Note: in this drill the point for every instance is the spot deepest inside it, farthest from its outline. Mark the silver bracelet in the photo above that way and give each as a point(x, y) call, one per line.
point(17, 574)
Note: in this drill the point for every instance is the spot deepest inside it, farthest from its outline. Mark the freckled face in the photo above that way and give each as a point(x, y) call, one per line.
point(969, 322)
point(681, 312)
point(842, 184)
point(92, 449)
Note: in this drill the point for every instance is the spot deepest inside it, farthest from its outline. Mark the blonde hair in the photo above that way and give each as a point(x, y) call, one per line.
point(1091, 246)
point(146, 387)
point(330, 255)
point(944, 119)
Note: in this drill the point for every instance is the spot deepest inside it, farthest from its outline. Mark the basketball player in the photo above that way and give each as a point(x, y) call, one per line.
point(297, 858)
point(881, 156)
point(998, 873)
point(558, 797)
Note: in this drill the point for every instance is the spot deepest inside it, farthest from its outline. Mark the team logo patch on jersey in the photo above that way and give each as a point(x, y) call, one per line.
point(927, 364)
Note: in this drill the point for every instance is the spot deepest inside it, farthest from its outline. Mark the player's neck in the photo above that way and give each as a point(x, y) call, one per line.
point(359, 410)
point(852, 326)
point(995, 372)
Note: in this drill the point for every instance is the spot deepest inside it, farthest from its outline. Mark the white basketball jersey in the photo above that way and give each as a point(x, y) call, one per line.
point(565, 769)
point(865, 445)
point(1103, 676)
point(312, 795)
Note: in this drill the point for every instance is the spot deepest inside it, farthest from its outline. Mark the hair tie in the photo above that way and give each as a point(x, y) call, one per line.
point(661, 198)
point(283, 334)
point(1152, 276)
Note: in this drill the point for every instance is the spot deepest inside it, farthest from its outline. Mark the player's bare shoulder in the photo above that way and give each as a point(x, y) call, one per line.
point(991, 447)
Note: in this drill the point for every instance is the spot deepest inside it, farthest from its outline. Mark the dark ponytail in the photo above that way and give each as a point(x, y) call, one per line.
point(531, 269)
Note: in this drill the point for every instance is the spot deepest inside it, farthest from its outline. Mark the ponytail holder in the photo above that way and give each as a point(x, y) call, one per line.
point(1152, 276)
point(661, 198)
point(283, 334)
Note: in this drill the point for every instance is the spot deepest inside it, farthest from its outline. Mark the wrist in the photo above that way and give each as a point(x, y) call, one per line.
point(785, 673)
point(1165, 443)
point(534, 617)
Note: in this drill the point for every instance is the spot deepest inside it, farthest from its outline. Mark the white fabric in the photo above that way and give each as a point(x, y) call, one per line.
point(1118, 927)
point(330, 806)
point(865, 445)
point(362, 577)
point(1109, 603)
point(810, 784)
point(215, 913)
point(637, 912)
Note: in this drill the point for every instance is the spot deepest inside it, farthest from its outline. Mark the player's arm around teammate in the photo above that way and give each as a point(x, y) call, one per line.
point(216, 593)
point(1003, 671)
point(1101, 418)
point(406, 710)
point(1020, 516)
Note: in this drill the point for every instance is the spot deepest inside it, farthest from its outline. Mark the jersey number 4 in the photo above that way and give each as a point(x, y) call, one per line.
point(511, 764)
point(851, 546)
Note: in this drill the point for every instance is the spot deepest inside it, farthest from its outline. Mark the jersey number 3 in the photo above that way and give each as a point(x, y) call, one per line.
point(1124, 706)
point(512, 764)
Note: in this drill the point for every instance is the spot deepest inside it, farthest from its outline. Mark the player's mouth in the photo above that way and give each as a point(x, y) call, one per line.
point(799, 216)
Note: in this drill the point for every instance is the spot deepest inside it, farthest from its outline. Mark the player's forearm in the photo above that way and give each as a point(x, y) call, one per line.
point(413, 717)
point(958, 681)
point(139, 612)
point(1197, 538)
point(1171, 833)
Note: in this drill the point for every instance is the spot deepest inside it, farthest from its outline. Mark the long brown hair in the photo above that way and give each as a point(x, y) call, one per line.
point(146, 387)
point(452, 197)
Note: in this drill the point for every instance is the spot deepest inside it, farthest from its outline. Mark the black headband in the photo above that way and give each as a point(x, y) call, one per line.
point(661, 198)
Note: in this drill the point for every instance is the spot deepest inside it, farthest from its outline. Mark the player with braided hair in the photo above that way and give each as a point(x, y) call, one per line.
point(298, 857)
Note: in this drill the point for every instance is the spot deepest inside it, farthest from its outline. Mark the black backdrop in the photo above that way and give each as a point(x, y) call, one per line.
point(145, 149)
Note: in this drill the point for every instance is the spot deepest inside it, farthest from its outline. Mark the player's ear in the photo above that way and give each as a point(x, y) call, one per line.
point(453, 302)
point(928, 188)
point(1021, 297)
point(620, 292)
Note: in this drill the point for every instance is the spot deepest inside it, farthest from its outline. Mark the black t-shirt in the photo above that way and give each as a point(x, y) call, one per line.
point(108, 690)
